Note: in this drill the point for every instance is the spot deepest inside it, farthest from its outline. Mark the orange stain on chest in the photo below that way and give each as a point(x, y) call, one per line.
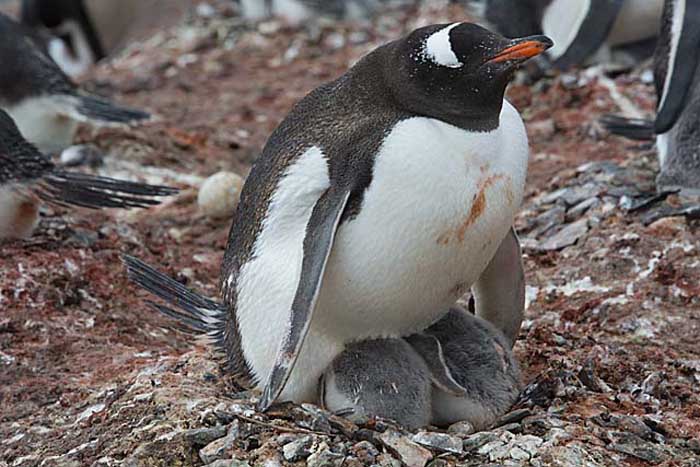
point(477, 208)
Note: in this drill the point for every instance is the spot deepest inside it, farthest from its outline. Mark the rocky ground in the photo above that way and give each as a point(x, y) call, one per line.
point(609, 349)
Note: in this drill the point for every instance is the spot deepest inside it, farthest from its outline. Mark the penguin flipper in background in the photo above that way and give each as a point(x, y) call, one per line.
point(675, 68)
point(637, 129)
point(583, 41)
point(318, 242)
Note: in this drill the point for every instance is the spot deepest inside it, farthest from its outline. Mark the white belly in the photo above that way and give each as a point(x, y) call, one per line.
point(42, 123)
point(436, 211)
point(638, 20)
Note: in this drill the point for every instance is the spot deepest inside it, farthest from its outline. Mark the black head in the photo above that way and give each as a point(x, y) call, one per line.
point(458, 72)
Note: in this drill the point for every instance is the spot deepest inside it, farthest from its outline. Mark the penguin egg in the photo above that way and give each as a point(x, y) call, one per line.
point(219, 194)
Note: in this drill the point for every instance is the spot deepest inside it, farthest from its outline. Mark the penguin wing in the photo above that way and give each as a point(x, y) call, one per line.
point(430, 349)
point(681, 62)
point(20, 161)
point(591, 34)
point(318, 241)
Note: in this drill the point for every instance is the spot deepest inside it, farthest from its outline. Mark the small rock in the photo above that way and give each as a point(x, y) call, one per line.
point(463, 428)
point(633, 445)
point(365, 451)
point(408, 452)
point(204, 436)
point(439, 441)
point(477, 440)
point(581, 208)
point(298, 450)
point(219, 195)
point(228, 463)
point(81, 154)
point(325, 458)
point(567, 236)
point(216, 449)
point(668, 226)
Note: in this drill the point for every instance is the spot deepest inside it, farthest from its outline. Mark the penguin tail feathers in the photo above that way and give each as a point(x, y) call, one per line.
point(193, 312)
point(93, 192)
point(88, 108)
point(637, 129)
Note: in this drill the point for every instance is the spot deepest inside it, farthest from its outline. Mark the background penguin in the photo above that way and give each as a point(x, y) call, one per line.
point(27, 176)
point(677, 80)
point(298, 11)
point(476, 357)
point(579, 29)
point(44, 103)
point(89, 30)
point(382, 378)
point(375, 205)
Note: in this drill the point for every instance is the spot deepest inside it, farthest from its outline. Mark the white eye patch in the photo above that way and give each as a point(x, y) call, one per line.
point(438, 48)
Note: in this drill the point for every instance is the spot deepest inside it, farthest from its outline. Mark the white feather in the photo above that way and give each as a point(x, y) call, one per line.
point(438, 48)
point(562, 21)
point(19, 214)
point(676, 31)
point(46, 121)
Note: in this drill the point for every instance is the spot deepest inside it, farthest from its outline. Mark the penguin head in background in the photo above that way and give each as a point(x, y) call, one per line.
point(457, 72)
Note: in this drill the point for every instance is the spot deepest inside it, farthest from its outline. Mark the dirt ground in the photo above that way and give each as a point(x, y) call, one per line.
point(90, 376)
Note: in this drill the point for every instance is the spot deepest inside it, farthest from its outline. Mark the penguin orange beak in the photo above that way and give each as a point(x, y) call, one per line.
point(523, 49)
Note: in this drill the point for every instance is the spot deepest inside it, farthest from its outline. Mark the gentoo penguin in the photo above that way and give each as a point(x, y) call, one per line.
point(476, 357)
point(383, 378)
point(580, 29)
point(46, 105)
point(27, 177)
point(378, 201)
point(298, 11)
point(86, 31)
point(459, 369)
point(677, 80)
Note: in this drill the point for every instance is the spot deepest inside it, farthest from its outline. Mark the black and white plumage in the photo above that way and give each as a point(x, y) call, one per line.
point(459, 369)
point(86, 31)
point(28, 176)
point(376, 204)
point(46, 105)
point(582, 31)
point(677, 83)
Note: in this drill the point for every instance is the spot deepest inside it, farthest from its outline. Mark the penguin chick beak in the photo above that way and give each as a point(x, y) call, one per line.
point(523, 49)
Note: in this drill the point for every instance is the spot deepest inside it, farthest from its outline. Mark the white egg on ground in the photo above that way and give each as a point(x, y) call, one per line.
point(219, 194)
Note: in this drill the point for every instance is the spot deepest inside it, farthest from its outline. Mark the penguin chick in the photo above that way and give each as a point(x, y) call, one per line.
point(383, 378)
point(45, 104)
point(27, 176)
point(476, 377)
point(219, 194)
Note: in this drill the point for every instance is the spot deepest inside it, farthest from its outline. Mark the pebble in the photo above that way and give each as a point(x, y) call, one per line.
point(477, 440)
point(439, 441)
point(219, 195)
point(567, 236)
point(228, 463)
point(298, 450)
point(204, 436)
point(463, 428)
point(216, 449)
point(408, 452)
point(365, 451)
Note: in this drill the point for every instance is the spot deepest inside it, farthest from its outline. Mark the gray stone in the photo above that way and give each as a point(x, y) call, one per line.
point(217, 449)
point(365, 451)
point(298, 450)
point(567, 236)
point(633, 445)
point(408, 452)
point(204, 436)
point(462, 429)
point(477, 440)
point(228, 463)
point(325, 458)
point(439, 441)
point(581, 208)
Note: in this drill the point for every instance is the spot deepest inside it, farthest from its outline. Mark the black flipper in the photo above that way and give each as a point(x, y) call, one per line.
point(592, 33)
point(103, 110)
point(673, 98)
point(195, 314)
point(89, 191)
point(318, 242)
point(430, 349)
point(637, 129)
